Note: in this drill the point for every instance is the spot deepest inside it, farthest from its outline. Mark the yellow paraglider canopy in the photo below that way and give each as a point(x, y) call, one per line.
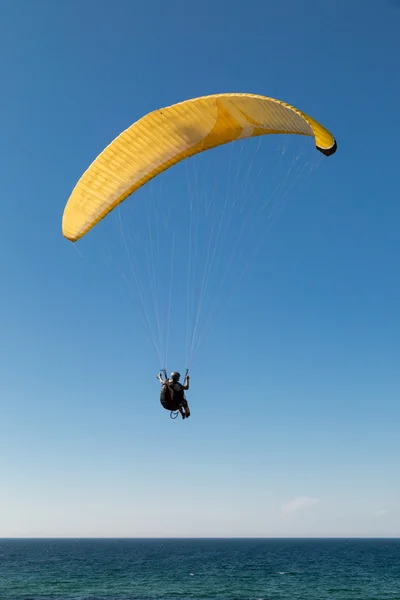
point(167, 136)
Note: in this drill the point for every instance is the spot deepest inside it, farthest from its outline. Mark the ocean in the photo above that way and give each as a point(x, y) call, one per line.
point(206, 569)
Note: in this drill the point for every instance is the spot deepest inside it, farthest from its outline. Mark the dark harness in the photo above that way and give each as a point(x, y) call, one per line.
point(170, 398)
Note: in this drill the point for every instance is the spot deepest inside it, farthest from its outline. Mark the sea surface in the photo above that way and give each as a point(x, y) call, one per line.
point(200, 569)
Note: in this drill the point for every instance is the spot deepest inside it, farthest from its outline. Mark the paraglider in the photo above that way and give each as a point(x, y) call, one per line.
point(163, 138)
point(172, 396)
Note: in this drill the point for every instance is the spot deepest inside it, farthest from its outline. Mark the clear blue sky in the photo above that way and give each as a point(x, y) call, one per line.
point(295, 392)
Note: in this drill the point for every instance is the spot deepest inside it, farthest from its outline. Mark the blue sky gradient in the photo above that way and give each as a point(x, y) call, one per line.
point(295, 391)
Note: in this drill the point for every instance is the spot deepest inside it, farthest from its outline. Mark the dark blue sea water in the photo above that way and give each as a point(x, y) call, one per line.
point(199, 569)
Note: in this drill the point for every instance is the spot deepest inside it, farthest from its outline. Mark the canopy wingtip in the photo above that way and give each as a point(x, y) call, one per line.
point(328, 151)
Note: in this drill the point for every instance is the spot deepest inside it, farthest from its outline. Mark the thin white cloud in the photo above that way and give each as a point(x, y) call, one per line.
point(381, 512)
point(292, 507)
